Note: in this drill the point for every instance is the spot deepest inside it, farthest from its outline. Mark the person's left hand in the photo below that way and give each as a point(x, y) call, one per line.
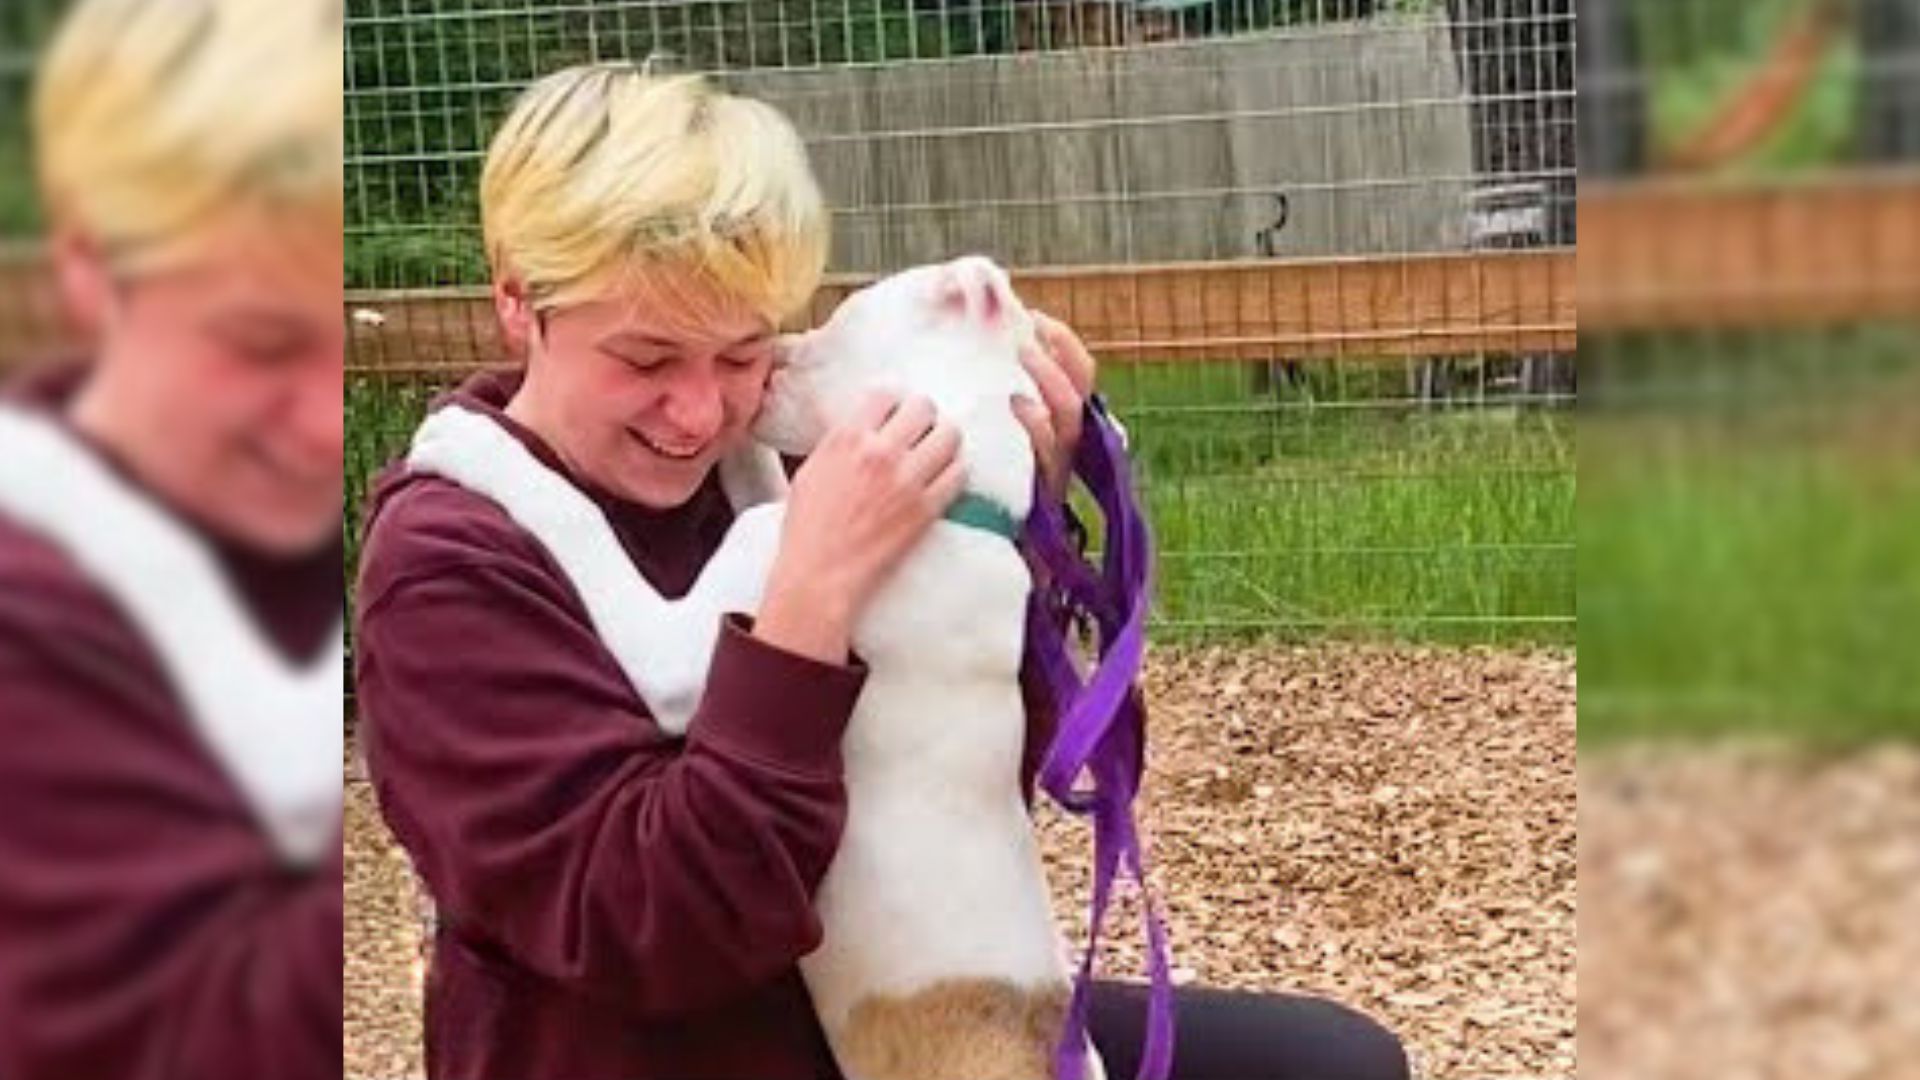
point(1064, 371)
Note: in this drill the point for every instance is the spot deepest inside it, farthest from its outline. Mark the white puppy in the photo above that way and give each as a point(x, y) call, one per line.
point(941, 956)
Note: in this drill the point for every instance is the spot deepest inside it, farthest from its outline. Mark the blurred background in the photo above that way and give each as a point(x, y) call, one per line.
point(1750, 280)
point(1749, 537)
point(30, 323)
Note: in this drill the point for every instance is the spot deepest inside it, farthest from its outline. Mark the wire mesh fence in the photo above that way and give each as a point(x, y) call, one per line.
point(1324, 250)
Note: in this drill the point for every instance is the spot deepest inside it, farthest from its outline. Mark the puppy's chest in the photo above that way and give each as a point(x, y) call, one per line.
point(955, 609)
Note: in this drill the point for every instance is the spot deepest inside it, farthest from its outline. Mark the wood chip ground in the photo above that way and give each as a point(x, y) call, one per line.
point(1389, 827)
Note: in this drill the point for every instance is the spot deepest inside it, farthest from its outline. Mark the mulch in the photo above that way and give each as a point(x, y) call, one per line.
point(1389, 827)
point(1750, 911)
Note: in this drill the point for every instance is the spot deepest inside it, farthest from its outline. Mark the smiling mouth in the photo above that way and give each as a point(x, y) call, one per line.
point(289, 474)
point(668, 452)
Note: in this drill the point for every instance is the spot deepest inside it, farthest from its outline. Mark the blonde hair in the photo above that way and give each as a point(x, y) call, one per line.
point(607, 179)
point(154, 118)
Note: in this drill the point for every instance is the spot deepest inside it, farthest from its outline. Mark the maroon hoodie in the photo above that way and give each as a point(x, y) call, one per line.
point(614, 904)
point(147, 928)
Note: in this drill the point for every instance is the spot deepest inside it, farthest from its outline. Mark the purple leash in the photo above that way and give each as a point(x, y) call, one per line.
point(1102, 729)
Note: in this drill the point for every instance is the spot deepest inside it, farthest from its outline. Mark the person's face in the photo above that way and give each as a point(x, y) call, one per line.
point(228, 370)
point(644, 407)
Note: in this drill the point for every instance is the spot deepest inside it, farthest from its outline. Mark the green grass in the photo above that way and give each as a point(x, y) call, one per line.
point(1346, 515)
point(1297, 519)
point(380, 418)
point(19, 205)
point(1751, 564)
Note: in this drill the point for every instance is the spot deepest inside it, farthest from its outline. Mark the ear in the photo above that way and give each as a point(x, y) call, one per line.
point(85, 281)
point(515, 312)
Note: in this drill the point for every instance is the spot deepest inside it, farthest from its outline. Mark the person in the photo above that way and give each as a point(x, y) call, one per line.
point(613, 903)
point(171, 610)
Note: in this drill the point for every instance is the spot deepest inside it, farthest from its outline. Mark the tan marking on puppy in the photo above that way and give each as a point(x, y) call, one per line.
point(957, 1029)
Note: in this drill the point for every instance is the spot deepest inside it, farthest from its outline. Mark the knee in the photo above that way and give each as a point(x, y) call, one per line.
point(1368, 1049)
point(1335, 1042)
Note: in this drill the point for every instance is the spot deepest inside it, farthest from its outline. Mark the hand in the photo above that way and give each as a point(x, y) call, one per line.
point(1064, 371)
point(860, 502)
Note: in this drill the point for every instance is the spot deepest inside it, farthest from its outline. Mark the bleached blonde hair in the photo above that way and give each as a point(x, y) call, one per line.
point(607, 180)
point(154, 118)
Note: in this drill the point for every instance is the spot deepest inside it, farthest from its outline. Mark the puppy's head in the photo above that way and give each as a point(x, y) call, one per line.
point(951, 331)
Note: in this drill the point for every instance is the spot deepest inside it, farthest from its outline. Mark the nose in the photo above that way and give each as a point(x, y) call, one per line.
point(695, 405)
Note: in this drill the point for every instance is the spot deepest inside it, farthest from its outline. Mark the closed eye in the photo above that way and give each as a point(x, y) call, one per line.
point(639, 361)
point(263, 339)
point(747, 356)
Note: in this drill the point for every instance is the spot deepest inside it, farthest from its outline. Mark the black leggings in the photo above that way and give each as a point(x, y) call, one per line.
point(1235, 1035)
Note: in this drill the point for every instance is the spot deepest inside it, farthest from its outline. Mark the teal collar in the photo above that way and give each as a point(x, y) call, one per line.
point(983, 513)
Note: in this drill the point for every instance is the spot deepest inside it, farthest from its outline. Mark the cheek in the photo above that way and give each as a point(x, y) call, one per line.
point(612, 396)
point(745, 394)
point(246, 398)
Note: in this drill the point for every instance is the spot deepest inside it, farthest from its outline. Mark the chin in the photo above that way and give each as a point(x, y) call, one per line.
point(662, 496)
point(288, 536)
point(641, 483)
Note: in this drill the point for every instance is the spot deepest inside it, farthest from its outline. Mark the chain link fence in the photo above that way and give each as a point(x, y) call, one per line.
point(1323, 249)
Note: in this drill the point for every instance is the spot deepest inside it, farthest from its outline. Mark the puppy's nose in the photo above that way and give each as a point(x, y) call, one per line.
point(974, 288)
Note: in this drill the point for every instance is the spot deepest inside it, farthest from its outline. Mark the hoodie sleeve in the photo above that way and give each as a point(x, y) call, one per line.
point(547, 812)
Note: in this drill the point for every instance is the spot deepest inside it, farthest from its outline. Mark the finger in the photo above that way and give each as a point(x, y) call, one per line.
point(909, 423)
point(947, 486)
point(1039, 424)
point(933, 454)
point(1068, 351)
point(1062, 400)
point(1056, 389)
point(874, 408)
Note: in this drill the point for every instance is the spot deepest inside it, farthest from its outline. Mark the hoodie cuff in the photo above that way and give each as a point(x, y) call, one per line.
point(775, 707)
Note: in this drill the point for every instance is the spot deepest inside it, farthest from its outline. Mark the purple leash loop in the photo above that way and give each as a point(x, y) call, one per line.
point(1102, 727)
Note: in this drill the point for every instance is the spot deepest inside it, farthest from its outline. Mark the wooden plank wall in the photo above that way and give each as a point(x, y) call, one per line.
point(1174, 153)
point(1813, 253)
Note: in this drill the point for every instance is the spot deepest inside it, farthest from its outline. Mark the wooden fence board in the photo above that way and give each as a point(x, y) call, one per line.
point(1428, 305)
